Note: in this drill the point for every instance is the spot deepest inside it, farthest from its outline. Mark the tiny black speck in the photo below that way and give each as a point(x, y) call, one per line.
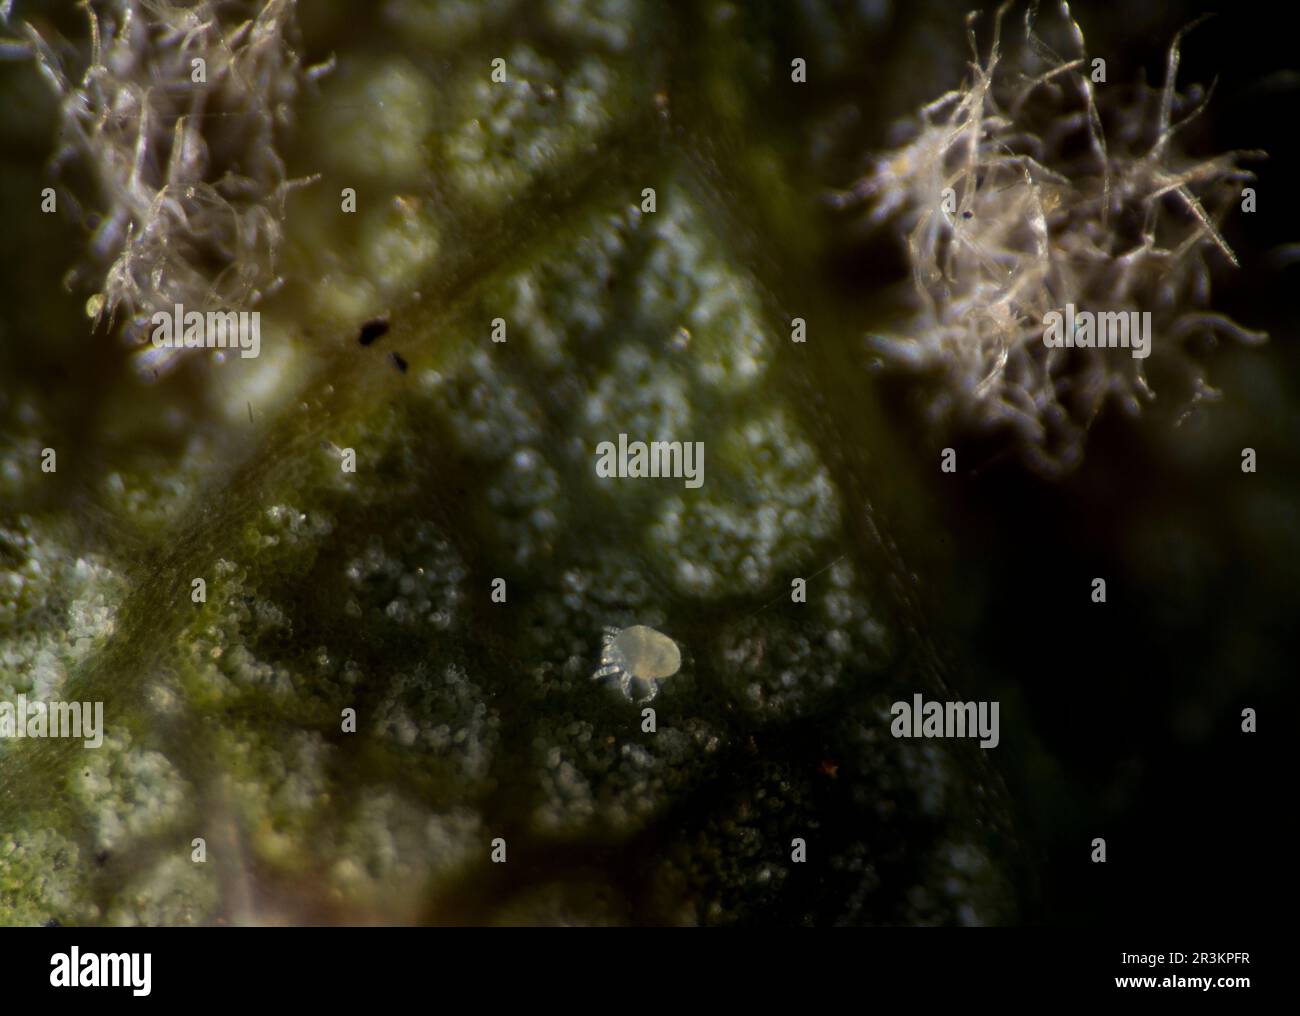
point(967, 215)
point(398, 362)
point(372, 330)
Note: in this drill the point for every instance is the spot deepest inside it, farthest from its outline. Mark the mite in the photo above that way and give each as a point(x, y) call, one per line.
point(640, 658)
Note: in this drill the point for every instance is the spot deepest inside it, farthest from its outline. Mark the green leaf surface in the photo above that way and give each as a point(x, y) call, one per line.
point(329, 590)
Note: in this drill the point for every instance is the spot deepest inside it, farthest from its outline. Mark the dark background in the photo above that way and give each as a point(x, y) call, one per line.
point(1131, 710)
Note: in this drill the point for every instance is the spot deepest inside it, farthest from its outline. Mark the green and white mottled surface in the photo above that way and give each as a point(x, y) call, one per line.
point(328, 590)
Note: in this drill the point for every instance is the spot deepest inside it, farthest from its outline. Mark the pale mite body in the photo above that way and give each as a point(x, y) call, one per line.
point(637, 655)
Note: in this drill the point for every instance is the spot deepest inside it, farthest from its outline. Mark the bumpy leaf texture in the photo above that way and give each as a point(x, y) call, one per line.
point(328, 590)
